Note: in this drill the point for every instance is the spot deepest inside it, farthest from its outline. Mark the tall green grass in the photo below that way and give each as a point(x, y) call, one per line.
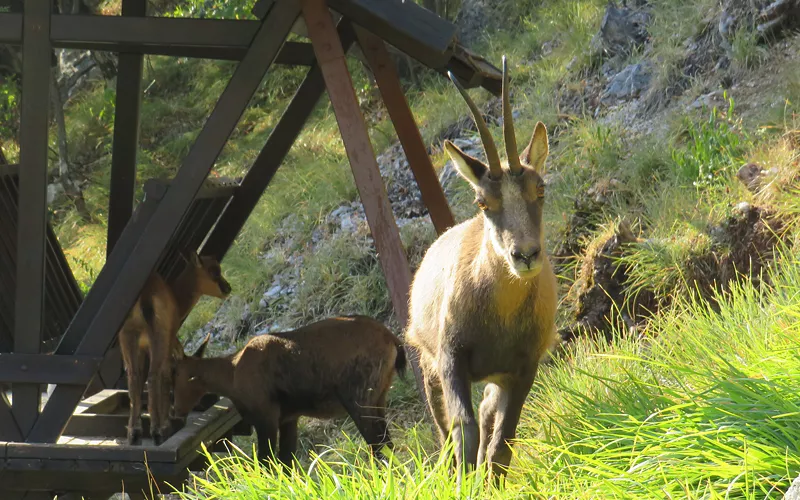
point(703, 405)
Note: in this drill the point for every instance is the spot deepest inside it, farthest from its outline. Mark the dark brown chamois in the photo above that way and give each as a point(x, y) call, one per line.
point(483, 301)
point(151, 330)
point(327, 369)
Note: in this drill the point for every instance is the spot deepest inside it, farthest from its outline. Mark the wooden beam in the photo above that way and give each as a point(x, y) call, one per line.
point(271, 156)
point(407, 130)
point(178, 37)
point(330, 55)
point(47, 369)
point(123, 171)
point(126, 134)
point(32, 220)
point(410, 27)
point(171, 210)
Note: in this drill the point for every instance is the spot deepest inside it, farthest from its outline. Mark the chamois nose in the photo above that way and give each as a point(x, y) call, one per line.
point(224, 287)
point(526, 255)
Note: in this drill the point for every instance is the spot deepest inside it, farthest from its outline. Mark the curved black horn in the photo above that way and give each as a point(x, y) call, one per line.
point(508, 126)
point(492, 157)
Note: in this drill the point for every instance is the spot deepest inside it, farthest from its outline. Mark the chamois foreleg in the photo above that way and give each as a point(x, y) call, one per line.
point(265, 418)
point(509, 409)
point(160, 382)
point(134, 359)
point(493, 396)
point(287, 442)
point(458, 402)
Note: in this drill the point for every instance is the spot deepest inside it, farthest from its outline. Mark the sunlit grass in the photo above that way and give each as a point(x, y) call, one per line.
point(704, 405)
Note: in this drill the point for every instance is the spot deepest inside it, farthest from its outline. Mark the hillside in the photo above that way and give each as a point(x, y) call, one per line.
point(673, 201)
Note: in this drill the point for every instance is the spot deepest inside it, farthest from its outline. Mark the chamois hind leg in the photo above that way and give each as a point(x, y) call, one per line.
point(160, 383)
point(370, 420)
point(433, 392)
point(505, 427)
point(487, 413)
point(287, 442)
point(458, 402)
point(134, 360)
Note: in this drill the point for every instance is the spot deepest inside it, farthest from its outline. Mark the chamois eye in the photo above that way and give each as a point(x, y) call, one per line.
point(481, 205)
point(540, 190)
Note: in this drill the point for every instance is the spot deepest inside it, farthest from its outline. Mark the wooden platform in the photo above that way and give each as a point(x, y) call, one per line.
point(93, 458)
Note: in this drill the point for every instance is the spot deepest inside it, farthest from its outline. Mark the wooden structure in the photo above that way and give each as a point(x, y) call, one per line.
point(51, 334)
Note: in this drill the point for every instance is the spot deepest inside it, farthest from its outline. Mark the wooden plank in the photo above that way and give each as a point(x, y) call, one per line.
point(32, 220)
point(330, 56)
point(9, 430)
point(177, 37)
point(86, 425)
point(411, 28)
point(119, 453)
point(10, 28)
point(126, 134)
point(47, 368)
point(407, 130)
point(271, 156)
point(170, 211)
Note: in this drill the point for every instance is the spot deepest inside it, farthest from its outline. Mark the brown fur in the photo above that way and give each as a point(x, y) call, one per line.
point(483, 305)
point(151, 330)
point(330, 368)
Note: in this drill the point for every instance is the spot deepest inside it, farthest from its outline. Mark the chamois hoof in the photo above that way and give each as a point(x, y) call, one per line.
point(135, 436)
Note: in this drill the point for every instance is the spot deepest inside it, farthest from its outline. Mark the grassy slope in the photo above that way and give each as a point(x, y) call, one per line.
point(705, 406)
point(621, 421)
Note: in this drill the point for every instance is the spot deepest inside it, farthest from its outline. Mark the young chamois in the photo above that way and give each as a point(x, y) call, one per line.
point(330, 368)
point(151, 330)
point(483, 301)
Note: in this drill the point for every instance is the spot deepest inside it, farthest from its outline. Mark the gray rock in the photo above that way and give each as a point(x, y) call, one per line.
point(793, 493)
point(621, 29)
point(54, 191)
point(628, 83)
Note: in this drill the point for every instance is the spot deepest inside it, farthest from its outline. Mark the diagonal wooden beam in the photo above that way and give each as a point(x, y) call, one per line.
point(32, 220)
point(170, 211)
point(331, 59)
point(271, 156)
point(406, 127)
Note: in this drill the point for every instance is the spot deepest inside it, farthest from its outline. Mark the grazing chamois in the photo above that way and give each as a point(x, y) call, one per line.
point(483, 301)
point(326, 369)
point(151, 330)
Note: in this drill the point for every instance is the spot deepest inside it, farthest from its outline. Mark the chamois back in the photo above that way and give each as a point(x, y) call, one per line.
point(334, 367)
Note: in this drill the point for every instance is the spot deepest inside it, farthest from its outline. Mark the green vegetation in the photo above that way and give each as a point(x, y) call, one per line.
point(702, 403)
point(704, 406)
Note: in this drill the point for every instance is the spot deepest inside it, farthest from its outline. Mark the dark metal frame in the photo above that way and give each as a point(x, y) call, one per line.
point(189, 211)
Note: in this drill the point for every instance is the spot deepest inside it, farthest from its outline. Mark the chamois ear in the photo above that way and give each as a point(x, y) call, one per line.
point(202, 349)
point(472, 169)
point(536, 151)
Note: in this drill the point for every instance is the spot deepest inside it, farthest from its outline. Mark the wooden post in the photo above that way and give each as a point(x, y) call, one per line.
point(126, 134)
point(407, 130)
point(330, 56)
point(32, 220)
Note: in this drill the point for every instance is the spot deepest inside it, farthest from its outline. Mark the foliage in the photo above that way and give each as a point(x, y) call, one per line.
point(713, 147)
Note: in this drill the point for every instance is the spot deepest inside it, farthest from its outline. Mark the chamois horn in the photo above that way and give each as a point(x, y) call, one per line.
point(492, 157)
point(514, 163)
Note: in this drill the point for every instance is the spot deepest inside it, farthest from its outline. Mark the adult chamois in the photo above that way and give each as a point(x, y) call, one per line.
point(151, 330)
point(329, 368)
point(483, 301)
